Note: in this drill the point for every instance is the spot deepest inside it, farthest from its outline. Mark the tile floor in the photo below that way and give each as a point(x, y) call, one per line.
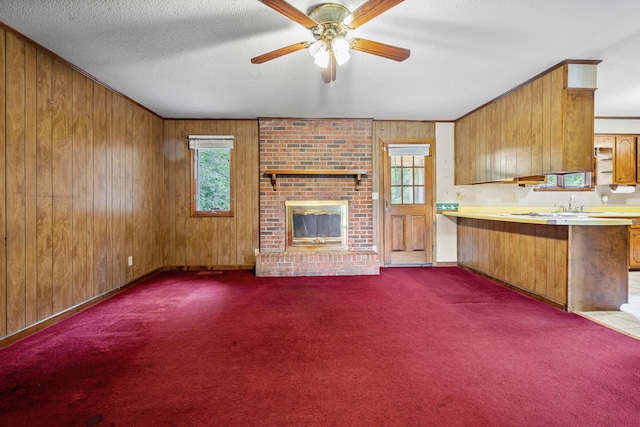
point(627, 320)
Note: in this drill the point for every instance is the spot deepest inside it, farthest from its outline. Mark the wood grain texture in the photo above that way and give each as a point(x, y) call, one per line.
point(578, 132)
point(523, 119)
point(15, 183)
point(528, 257)
point(62, 156)
point(386, 131)
point(44, 188)
point(556, 123)
point(210, 241)
point(602, 288)
point(30, 267)
point(79, 189)
point(494, 139)
point(537, 126)
point(482, 150)
point(545, 129)
point(3, 219)
point(581, 268)
point(65, 187)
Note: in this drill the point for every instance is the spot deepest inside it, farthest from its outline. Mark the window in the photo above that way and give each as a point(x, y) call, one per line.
point(212, 175)
point(573, 181)
point(407, 180)
point(408, 173)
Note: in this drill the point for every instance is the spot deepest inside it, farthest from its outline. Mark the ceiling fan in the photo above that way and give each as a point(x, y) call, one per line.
point(329, 23)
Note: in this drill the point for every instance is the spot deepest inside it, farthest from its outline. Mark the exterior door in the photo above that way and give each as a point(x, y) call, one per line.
point(408, 202)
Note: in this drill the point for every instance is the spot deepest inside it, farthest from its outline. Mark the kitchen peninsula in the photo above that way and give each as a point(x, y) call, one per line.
point(574, 261)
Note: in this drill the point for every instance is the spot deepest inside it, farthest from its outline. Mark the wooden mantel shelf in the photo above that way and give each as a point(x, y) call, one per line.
point(357, 174)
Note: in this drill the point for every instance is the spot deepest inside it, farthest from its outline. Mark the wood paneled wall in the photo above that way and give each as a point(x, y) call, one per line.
point(395, 129)
point(80, 189)
point(222, 242)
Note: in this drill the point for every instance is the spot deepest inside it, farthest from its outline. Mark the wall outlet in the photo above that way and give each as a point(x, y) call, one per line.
point(130, 260)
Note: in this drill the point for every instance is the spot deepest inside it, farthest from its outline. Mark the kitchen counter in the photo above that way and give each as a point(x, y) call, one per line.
point(576, 262)
point(551, 218)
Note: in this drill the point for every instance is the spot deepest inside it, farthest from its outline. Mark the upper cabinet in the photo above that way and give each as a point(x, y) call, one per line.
point(542, 127)
point(617, 159)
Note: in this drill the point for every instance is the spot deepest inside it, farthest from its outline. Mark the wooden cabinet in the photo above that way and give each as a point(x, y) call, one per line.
point(634, 246)
point(616, 159)
point(539, 128)
point(625, 163)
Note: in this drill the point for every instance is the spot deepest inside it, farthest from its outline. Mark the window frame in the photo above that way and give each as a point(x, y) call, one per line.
point(194, 185)
point(560, 185)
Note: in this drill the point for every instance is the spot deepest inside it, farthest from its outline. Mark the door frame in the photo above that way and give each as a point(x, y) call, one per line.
point(431, 196)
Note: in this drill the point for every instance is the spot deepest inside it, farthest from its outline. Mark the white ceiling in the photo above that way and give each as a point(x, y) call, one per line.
point(191, 58)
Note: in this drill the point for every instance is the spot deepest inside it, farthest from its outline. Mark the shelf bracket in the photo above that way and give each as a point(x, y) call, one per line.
point(358, 179)
point(273, 181)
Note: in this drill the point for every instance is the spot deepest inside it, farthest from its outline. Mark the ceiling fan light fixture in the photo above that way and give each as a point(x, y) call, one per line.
point(341, 50)
point(318, 51)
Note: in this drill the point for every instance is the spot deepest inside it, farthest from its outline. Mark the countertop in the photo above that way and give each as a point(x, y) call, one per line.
point(549, 216)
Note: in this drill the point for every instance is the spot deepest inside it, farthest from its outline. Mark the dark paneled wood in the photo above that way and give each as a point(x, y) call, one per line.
point(3, 219)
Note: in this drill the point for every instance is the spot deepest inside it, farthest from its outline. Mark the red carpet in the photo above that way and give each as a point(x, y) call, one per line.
point(411, 347)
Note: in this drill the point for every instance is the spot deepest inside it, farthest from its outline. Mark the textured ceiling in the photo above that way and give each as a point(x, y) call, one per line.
point(191, 58)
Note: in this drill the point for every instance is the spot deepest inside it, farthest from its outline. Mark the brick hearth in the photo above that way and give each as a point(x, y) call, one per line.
point(316, 144)
point(325, 263)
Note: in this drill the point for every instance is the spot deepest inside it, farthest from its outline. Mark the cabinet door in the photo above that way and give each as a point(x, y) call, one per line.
point(638, 159)
point(625, 161)
point(634, 247)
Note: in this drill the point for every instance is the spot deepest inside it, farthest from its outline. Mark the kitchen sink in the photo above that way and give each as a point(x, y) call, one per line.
point(550, 214)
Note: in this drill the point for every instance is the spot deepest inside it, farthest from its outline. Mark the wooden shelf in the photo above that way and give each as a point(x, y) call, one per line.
point(357, 174)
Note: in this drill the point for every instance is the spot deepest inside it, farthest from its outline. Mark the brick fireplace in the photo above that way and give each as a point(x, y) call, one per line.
point(333, 145)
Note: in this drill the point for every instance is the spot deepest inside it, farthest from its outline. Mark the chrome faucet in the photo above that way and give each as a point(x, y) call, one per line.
point(572, 200)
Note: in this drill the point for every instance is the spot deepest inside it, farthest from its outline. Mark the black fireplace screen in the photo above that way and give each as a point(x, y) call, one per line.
point(316, 225)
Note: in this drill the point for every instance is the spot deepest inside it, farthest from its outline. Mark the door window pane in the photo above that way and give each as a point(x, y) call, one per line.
point(407, 196)
point(418, 194)
point(407, 179)
point(396, 195)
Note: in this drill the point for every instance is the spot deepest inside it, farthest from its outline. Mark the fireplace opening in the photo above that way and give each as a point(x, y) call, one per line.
point(316, 224)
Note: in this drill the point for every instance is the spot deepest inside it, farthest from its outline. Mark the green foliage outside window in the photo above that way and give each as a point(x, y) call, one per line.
point(213, 179)
point(574, 180)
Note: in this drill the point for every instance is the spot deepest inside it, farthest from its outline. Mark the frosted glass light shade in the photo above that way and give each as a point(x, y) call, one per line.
point(319, 52)
point(341, 50)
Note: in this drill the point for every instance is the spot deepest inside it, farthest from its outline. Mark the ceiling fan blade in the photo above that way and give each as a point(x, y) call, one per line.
point(380, 49)
point(329, 73)
point(279, 52)
point(368, 11)
point(290, 12)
